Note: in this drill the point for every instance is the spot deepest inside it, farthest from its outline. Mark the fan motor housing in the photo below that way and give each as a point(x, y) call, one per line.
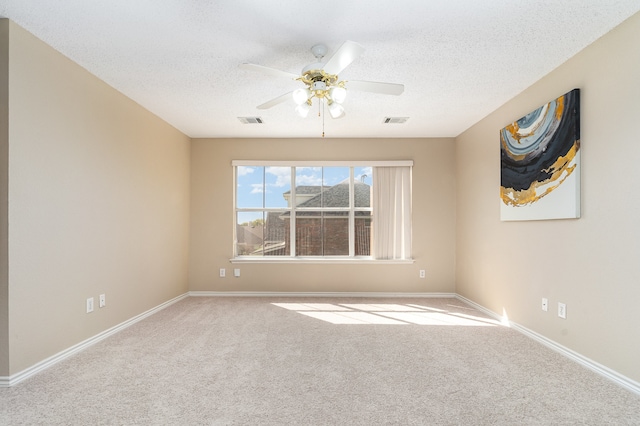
point(319, 85)
point(312, 68)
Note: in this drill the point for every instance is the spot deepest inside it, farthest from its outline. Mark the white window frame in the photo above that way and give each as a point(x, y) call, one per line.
point(350, 258)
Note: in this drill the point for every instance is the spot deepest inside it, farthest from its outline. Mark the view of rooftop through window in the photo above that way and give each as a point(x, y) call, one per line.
point(330, 208)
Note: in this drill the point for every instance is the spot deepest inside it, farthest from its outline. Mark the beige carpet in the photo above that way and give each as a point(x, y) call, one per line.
point(285, 361)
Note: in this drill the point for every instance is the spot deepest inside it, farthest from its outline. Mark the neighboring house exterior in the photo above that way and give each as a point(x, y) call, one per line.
point(248, 237)
point(319, 233)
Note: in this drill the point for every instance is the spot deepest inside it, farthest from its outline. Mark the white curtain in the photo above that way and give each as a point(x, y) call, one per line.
point(392, 212)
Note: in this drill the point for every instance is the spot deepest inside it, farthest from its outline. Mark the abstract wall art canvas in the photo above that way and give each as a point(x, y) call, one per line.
point(540, 163)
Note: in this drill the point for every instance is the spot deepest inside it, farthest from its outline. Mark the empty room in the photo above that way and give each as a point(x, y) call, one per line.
point(321, 213)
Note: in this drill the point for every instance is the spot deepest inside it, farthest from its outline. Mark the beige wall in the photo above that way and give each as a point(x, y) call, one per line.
point(433, 217)
point(591, 264)
point(98, 203)
point(4, 172)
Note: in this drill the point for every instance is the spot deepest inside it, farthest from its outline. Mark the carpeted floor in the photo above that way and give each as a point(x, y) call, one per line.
point(286, 361)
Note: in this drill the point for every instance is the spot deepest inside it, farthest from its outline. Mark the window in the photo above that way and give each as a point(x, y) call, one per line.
point(320, 211)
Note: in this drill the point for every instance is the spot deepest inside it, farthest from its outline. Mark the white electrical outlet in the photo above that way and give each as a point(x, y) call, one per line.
point(90, 305)
point(545, 304)
point(223, 273)
point(102, 301)
point(562, 310)
point(236, 272)
point(422, 273)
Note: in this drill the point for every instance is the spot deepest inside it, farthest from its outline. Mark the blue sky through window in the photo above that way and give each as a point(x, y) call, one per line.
point(263, 187)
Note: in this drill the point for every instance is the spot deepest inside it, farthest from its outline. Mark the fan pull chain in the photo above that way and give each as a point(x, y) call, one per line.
point(322, 117)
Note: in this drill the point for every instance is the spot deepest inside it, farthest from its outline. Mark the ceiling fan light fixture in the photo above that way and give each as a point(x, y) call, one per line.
point(319, 86)
point(303, 109)
point(336, 110)
point(338, 94)
point(300, 96)
point(322, 82)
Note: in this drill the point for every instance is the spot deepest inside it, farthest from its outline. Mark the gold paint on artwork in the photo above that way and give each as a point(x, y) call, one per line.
point(514, 130)
point(560, 170)
point(559, 107)
point(505, 148)
point(517, 135)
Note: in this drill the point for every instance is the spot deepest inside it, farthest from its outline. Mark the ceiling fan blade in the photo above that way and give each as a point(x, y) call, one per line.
point(341, 59)
point(269, 71)
point(275, 101)
point(375, 87)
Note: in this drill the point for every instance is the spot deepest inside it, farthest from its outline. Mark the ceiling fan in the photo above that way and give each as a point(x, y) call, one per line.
point(321, 81)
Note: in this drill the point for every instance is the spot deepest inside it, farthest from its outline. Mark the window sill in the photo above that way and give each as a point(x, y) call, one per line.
point(324, 260)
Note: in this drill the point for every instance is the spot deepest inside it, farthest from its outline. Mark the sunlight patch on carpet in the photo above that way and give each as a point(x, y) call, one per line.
point(385, 313)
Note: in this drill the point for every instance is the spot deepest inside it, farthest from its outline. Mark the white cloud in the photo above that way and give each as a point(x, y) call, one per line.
point(257, 188)
point(311, 180)
point(282, 174)
point(311, 176)
point(243, 170)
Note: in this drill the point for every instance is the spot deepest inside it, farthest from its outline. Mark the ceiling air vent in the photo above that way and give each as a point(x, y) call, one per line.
point(250, 120)
point(395, 120)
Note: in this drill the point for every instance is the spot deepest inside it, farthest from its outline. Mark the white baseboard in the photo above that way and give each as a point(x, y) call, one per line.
point(317, 294)
point(600, 369)
point(42, 365)
point(592, 365)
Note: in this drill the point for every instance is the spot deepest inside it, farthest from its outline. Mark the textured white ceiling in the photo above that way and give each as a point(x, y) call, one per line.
point(458, 59)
